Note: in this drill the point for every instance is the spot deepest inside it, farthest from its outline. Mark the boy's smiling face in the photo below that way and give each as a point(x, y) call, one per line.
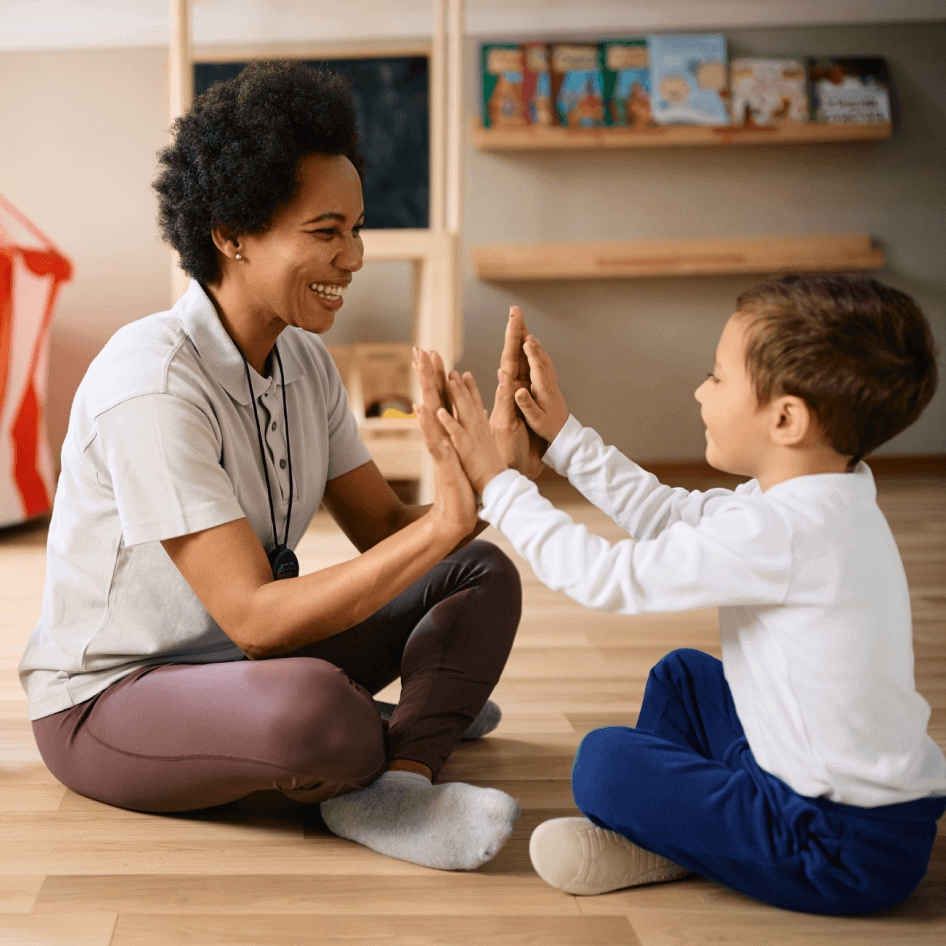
point(737, 429)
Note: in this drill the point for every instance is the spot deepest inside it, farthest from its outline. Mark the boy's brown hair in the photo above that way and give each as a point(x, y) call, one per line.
point(859, 353)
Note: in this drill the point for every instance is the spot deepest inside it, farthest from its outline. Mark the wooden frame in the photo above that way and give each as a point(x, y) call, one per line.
point(434, 252)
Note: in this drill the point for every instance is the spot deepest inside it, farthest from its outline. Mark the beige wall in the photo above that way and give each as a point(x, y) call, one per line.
point(79, 134)
point(80, 131)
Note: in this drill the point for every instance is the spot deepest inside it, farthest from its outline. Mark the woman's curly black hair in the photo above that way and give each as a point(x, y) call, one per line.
point(234, 158)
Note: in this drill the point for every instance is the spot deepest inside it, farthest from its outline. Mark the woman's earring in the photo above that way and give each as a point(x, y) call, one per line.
point(238, 256)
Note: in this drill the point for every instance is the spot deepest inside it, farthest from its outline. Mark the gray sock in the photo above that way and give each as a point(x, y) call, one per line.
point(453, 826)
point(486, 722)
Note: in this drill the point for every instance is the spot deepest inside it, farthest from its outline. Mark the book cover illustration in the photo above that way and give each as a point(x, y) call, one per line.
point(537, 85)
point(502, 68)
point(625, 67)
point(849, 90)
point(577, 85)
point(768, 91)
point(689, 79)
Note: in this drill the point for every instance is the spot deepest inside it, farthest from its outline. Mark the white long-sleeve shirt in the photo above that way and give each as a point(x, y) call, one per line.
point(814, 609)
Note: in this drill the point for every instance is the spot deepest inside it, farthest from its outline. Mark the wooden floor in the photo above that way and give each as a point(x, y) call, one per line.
point(265, 872)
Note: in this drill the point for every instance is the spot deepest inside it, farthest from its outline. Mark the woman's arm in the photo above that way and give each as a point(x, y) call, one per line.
point(368, 511)
point(227, 567)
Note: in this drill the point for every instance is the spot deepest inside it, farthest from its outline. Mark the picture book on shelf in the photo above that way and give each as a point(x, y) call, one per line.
point(625, 67)
point(577, 85)
point(537, 85)
point(849, 90)
point(502, 72)
point(768, 91)
point(689, 79)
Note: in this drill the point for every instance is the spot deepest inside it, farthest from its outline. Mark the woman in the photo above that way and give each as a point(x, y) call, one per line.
point(170, 669)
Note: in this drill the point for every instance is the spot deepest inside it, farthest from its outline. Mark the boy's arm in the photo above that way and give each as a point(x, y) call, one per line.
point(635, 499)
point(740, 555)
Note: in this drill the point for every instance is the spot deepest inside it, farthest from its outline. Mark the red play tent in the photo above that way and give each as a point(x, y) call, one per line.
point(31, 270)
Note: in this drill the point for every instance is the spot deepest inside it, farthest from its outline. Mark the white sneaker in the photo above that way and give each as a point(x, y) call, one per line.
point(578, 857)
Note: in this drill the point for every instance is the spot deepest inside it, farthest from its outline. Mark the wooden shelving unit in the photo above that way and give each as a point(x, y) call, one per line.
point(536, 138)
point(379, 373)
point(626, 259)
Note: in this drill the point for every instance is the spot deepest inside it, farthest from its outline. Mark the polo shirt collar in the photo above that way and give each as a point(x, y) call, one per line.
point(219, 352)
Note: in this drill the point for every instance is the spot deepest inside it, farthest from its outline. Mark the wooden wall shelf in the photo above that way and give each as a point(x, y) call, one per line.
point(639, 258)
point(535, 138)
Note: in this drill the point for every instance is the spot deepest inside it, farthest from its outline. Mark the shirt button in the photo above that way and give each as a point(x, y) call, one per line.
point(282, 464)
point(274, 425)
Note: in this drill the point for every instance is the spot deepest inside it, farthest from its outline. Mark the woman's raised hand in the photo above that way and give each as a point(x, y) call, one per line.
point(454, 504)
point(521, 448)
point(544, 407)
point(454, 500)
point(470, 433)
point(428, 366)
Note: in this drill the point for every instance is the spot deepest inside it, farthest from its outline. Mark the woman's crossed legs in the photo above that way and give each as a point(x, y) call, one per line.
point(179, 737)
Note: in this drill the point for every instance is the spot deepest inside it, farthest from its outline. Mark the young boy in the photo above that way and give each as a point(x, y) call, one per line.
point(798, 769)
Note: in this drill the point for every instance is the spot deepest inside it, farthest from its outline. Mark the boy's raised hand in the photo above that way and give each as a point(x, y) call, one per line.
point(470, 431)
point(544, 408)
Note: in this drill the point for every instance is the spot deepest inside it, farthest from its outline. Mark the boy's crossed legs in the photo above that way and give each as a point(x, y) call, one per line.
point(685, 786)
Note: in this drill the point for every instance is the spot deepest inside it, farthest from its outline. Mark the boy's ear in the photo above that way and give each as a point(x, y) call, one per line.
point(792, 421)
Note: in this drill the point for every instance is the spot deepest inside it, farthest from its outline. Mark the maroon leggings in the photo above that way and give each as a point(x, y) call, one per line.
point(178, 737)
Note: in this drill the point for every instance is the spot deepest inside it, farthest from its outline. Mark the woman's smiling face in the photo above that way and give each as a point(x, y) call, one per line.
point(296, 271)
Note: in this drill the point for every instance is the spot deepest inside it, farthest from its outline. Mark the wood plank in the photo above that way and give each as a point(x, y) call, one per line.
point(18, 892)
point(30, 797)
point(751, 928)
point(421, 930)
point(84, 853)
point(557, 138)
point(61, 929)
point(442, 893)
point(627, 259)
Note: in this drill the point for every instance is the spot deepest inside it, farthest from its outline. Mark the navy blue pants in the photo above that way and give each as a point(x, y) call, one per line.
point(686, 785)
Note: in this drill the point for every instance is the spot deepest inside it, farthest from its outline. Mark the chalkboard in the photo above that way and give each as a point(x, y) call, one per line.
point(393, 119)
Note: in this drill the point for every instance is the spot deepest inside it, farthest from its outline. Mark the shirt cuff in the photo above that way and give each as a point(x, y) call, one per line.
point(497, 495)
point(560, 449)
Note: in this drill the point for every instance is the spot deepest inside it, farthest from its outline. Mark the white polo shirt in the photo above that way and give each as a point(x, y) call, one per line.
point(162, 442)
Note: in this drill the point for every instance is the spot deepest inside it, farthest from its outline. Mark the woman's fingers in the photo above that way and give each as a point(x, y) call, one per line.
point(464, 405)
point(450, 424)
point(504, 407)
point(433, 433)
point(470, 382)
point(423, 368)
point(431, 377)
point(441, 375)
point(512, 344)
point(519, 319)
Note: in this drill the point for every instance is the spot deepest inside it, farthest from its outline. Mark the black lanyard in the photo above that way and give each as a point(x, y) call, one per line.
point(282, 560)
